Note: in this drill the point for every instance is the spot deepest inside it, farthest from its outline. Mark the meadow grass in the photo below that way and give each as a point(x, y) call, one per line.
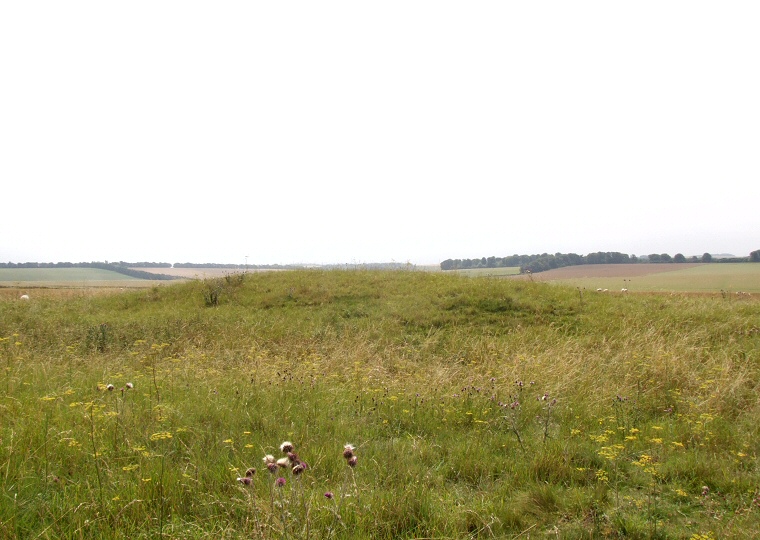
point(477, 408)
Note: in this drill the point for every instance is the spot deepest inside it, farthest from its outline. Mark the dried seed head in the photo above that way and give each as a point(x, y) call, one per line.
point(299, 468)
point(286, 447)
point(246, 480)
point(109, 387)
point(348, 451)
point(283, 462)
point(352, 462)
point(130, 386)
point(250, 472)
point(269, 458)
point(272, 467)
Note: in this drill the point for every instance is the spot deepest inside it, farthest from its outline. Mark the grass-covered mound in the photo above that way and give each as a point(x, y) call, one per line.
point(476, 408)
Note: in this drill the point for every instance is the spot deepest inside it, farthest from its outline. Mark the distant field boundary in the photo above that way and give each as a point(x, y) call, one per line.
point(635, 277)
point(203, 273)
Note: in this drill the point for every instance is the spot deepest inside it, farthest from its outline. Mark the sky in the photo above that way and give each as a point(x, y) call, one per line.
point(357, 132)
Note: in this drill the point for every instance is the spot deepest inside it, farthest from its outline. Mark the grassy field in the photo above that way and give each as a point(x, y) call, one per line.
point(489, 272)
point(704, 278)
point(476, 409)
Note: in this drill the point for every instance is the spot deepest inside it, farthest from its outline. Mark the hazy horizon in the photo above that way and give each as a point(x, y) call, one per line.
point(339, 132)
point(339, 263)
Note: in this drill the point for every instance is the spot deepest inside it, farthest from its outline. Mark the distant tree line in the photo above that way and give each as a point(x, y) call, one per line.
point(546, 261)
point(145, 264)
point(115, 267)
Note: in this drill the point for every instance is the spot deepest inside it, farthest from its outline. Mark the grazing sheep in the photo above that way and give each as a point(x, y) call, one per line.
point(24, 297)
point(623, 290)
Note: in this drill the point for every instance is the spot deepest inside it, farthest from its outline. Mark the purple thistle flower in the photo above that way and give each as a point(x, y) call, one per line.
point(280, 482)
point(352, 462)
point(245, 480)
point(329, 495)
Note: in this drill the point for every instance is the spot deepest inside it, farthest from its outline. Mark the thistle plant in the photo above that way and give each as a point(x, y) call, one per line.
point(513, 410)
point(351, 461)
point(290, 514)
point(547, 407)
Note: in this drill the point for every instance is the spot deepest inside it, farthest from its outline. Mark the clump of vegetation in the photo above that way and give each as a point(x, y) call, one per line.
point(474, 408)
point(215, 288)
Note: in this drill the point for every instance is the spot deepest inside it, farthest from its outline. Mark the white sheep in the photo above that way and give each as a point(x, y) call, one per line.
point(623, 290)
point(24, 297)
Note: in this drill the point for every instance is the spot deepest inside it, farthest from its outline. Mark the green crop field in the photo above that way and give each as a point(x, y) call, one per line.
point(20, 278)
point(417, 405)
point(60, 275)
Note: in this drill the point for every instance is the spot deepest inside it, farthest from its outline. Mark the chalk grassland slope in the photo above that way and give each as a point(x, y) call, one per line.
point(68, 278)
point(707, 278)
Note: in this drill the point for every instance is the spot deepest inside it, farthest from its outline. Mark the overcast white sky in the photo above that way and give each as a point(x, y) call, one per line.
point(332, 132)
